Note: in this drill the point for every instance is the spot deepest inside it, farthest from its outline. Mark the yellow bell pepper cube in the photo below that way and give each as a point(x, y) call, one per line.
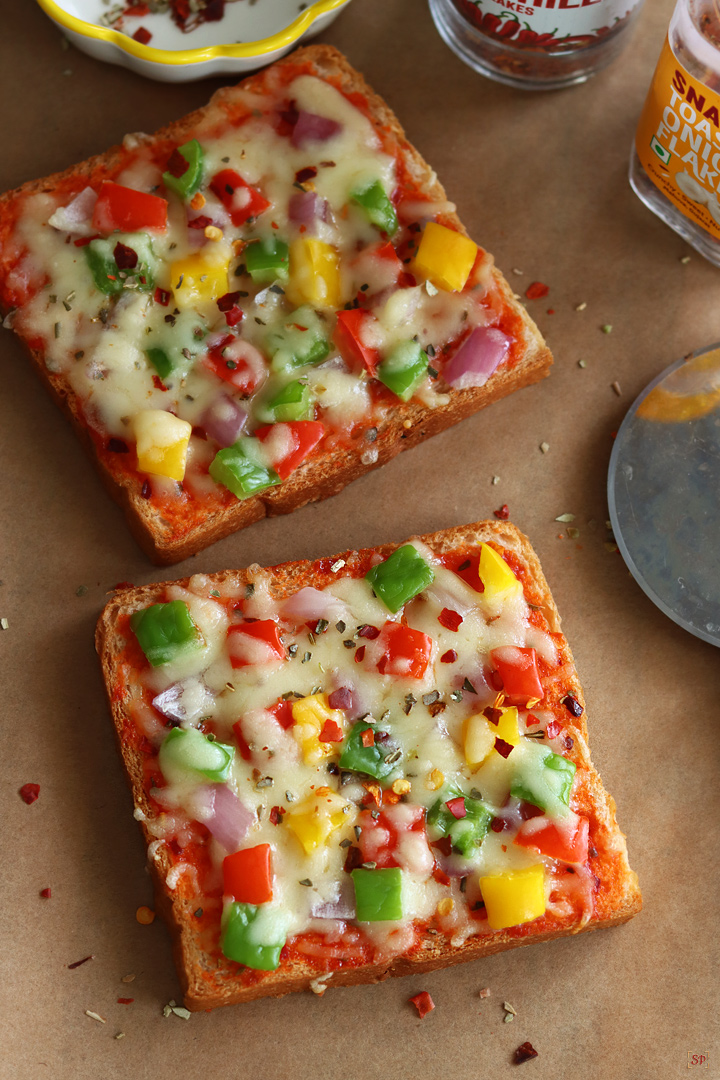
point(479, 740)
point(507, 728)
point(315, 819)
point(161, 442)
point(498, 579)
point(314, 274)
point(517, 896)
point(445, 257)
point(310, 714)
point(199, 279)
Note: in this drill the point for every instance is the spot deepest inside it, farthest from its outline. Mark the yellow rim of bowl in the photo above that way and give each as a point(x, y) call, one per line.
point(178, 57)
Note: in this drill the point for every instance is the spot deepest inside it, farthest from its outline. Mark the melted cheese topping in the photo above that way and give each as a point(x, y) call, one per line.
point(274, 774)
point(98, 344)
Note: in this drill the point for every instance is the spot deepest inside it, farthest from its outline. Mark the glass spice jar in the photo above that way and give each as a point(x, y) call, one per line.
point(535, 44)
point(675, 162)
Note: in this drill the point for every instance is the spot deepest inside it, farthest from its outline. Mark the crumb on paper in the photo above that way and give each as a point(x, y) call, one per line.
point(4, 624)
point(565, 519)
point(581, 307)
point(573, 533)
point(582, 363)
point(685, 260)
point(544, 447)
point(145, 916)
point(82, 590)
point(508, 1008)
point(319, 985)
point(616, 387)
point(128, 978)
point(120, 1035)
point(95, 1016)
point(518, 272)
point(495, 480)
point(484, 993)
point(606, 328)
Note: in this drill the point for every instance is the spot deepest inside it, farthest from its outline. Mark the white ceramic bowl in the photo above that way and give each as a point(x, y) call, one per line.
point(249, 36)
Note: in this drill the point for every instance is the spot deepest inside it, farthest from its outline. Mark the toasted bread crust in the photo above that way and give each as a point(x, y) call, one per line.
point(404, 425)
point(206, 986)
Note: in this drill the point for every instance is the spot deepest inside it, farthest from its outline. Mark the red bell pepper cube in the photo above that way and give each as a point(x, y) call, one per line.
point(245, 751)
point(407, 652)
point(347, 338)
point(247, 875)
point(282, 712)
point(237, 196)
point(255, 643)
point(128, 210)
point(457, 807)
point(518, 670)
point(451, 620)
point(568, 843)
point(237, 372)
point(295, 440)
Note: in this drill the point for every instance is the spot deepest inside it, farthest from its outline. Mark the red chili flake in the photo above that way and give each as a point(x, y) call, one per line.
point(303, 175)
point(527, 810)
point(158, 383)
point(572, 705)
point(200, 222)
point(118, 446)
point(353, 859)
point(142, 35)
point(551, 311)
point(439, 875)
point(125, 257)
point(46, 893)
point(499, 824)
point(162, 296)
point(553, 729)
point(276, 815)
point(125, 1001)
point(493, 715)
point(568, 742)
point(199, 433)
point(360, 654)
point(369, 632)
point(449, 657)
point(274, 225)
point(29, 793)
point(451, 620)
point(227, 301)
point(503, 748)
point(503, 513)
point(341, 698)
point(146, 490)
point(79, 963)
point(531, 721)
point(368, 737)
point(524, 1052)
point(423, 1003)
point(331, 732)
point(444, 845)
point(178, 165)
point(234, 316)
point(457, 807)
point(536, 290)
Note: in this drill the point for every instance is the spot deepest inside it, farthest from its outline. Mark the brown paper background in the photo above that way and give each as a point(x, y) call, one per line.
point(540, 179)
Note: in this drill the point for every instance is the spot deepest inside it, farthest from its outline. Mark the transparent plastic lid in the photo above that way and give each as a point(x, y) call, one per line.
point(664, 492)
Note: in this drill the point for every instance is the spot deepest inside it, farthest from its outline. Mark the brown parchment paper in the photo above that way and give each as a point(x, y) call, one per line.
point(540, 180)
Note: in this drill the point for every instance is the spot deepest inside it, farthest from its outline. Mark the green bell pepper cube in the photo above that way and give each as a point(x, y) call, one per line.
point(189, 181)
point(403, 369)
point(237, 941)
point(188, 750)
point(466, 833)
point(240, 469)
point(160, 361)
point(267, 260)
point(377, 206)
point(401, 577)
point(299, 342)
point(164, 630)
point(108, 278)
point(378, 894)
point(291, 403)
point(547, 786)
point(366, 759)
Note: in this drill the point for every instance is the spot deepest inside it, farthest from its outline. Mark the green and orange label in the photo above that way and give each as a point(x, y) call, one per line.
point(678, 142)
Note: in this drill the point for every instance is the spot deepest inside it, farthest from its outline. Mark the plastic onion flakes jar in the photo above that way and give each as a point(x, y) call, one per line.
point(539, 44)
point(675, 163)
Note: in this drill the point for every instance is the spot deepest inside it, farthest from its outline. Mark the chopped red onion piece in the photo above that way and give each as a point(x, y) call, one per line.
point(224, 420)
point(477, 358)
point(185, 701)
point(76, 217)
point(342, 698)
point(342, 907)
point(220, 810)
point(307, 207)
point(309, 603)
point(313, 128)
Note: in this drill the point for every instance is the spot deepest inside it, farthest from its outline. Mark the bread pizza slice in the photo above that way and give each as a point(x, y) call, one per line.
point(369, 765)
point(257, 304)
